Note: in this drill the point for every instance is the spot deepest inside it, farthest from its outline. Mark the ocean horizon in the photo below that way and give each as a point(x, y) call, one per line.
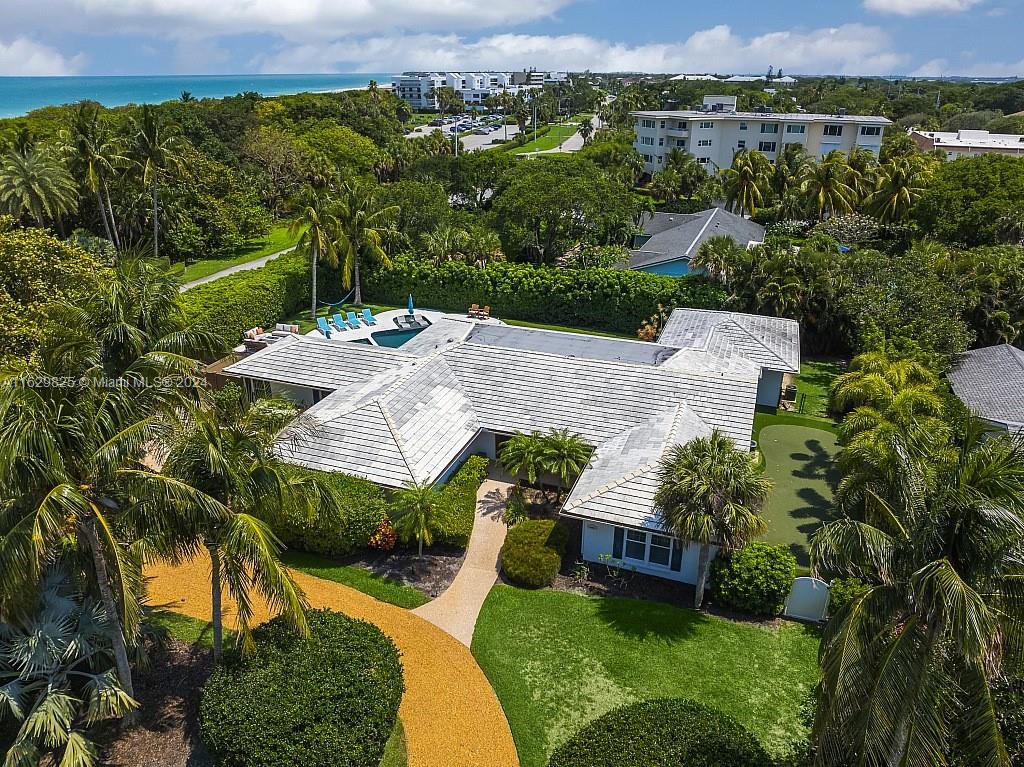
point(20, 95)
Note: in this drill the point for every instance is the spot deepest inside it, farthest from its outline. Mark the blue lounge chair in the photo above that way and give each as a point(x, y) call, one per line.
point(353, 321)
point(339, 322)
point(368, 317)
point(321, 323)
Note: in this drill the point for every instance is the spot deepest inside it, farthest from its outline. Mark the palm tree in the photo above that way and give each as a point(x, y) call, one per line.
point(234, 466)
point(719, 256)
point(907, 664)
point(35, 184)
point(862, 174)
point(55, 677)
point(586, 129)
point(826, 185)
point(156, 148)
point(317, 227)
point(901, 181)
point(416, 506)
point(365, 228)
point(520, 455)
point(1010, 227)
point(710, 492)
point(93, 156)
point(445, 243)
point(665, 185)
point(564, 454)
point(746, 181)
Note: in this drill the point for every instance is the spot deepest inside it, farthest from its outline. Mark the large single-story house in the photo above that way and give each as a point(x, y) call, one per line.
point(771, 343)
point(460, 387)
point(990, 382)
point(671, 240)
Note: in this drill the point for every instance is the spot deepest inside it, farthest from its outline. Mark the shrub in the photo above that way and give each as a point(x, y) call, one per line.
point(326, 700)
point(852, 228)
point(355, 514)
point(606, 299)
point(757, 578)
point(841, 591)
point(532, 553)
point(229, 306)
point(669, 732)
point(453, 520)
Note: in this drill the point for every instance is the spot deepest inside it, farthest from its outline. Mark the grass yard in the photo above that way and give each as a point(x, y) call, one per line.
point(800, 461)
point(553, 138)
point(184, 628)
point(812, 385)
point(277, 240)
point(558, 660)
point(358, 578)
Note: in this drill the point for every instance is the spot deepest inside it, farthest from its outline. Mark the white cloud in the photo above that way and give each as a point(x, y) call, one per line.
point(23, 57)
point(932, 68)
point(918, 7)
point(848, 49)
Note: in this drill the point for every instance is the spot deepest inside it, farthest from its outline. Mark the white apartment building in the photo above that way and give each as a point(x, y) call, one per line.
point(969, 143)
point(716, 131)
point(415, 88)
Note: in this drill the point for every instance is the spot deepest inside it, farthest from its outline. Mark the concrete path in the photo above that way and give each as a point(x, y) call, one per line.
point(451, 716)
point(456, 610)
point(254, 264)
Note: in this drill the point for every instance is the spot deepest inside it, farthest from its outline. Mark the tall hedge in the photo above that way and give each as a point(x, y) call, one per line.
point(231, 305)
point(671, 732)
point(326, 700)
point(606, 299)
point(453, 522)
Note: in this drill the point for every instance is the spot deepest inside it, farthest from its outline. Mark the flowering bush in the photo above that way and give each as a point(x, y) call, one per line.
point(385, 537)
point(851, 229)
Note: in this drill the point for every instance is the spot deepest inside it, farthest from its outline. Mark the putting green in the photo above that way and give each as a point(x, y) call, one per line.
point(800, 462)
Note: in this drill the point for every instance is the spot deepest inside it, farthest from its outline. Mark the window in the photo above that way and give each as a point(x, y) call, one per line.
point(766, 146)
point(648, 158)
point(647, 123)
point(661, 142)
point(681, 125)
point(636, 545)
point(871, 130)
point(662, 124)
point(708, 125)
point(741, 144)
point(769, 127)
point(661, 550)
point(681, 142)
point(833, 130)
point(647, 140)
point(743, 126)
point(703, 160)
point(798, 129)
point(704, 142)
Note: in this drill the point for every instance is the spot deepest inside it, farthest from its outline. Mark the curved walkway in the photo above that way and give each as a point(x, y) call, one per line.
point(451, 715)
point(256, 263)
point(456, 610)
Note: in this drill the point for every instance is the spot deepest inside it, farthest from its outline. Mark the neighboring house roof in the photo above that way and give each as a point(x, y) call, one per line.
point(772, 343)
point(990, 381)
point(405, 417)
point(621, 479)
point(678, 236)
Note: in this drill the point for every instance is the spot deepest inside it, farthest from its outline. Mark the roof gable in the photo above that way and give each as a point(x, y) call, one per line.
point(990, 381)
point(676, 237)
point(772, 343)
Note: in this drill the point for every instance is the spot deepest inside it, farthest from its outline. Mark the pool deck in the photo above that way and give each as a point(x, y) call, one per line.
point(386, 321)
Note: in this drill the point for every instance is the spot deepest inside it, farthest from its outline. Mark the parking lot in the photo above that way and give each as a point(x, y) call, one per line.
point(473, 140)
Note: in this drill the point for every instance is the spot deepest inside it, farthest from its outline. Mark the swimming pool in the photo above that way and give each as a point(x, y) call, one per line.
point(395, 338)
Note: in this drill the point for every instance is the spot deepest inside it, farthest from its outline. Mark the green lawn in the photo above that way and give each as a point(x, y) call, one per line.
point(184, 628)
point(558, 660)
point(800, 462)
point(814, 381)
point(395, 754)
point(550, 140)
point(359, 578)
point(278, 239)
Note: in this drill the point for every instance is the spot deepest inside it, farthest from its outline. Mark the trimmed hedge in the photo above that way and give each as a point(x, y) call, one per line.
point(842, 590)
point(756, 579)
point(359, 509)
point(532, 553)
point(327, 700)
point(229, 306)
point(607, 299)
point(453, 521)
point(669, 732)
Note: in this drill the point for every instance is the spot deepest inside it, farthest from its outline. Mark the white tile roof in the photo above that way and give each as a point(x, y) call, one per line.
point(621, 479)
point(772, 343)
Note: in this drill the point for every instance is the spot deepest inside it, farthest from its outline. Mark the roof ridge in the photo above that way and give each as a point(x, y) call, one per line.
point(399, 442)
point(733, 321)
point(643, 469)
point(707, 223)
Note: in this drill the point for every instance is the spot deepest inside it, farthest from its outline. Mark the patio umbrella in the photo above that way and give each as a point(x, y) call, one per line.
point(410, 304)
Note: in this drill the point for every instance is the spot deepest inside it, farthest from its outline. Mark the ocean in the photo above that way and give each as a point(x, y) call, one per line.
point(19, 95)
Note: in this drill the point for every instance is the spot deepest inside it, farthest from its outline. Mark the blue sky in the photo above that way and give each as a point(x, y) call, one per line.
point(923, 37)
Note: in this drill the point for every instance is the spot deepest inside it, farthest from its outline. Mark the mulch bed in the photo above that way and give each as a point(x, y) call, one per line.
point(432, 574)
point(167, 732)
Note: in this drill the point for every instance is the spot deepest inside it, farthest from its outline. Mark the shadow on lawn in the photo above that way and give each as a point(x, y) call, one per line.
point(816, 464)
point(640, 619)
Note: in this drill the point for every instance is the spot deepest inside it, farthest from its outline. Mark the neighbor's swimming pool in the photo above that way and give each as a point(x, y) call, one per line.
point(395, 338)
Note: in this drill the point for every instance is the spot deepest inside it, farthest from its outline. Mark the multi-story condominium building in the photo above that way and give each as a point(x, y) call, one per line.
point(716, 131)
point(969, 143)
point(416, 88)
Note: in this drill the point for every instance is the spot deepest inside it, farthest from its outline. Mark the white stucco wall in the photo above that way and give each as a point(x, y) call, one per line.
point(297, 394)
point(769, 388)
point(599, 539)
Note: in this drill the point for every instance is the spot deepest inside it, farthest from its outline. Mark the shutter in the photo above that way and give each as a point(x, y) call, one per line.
point(620, 534)
point(677, 557)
